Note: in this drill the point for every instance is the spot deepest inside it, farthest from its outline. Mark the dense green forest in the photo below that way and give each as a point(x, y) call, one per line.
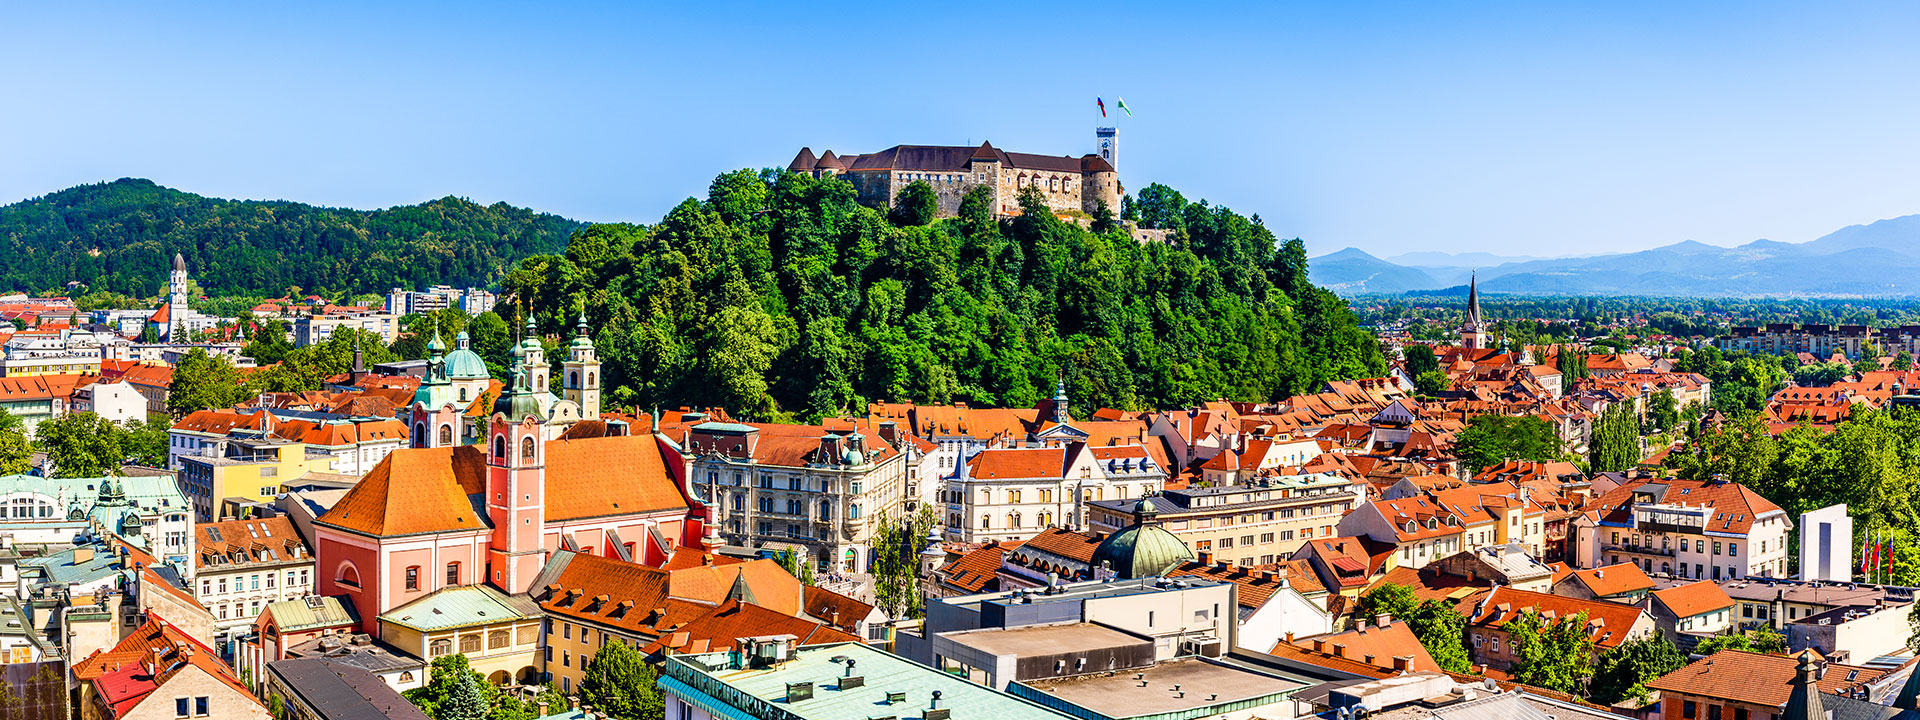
point(120, 237)
point(779, 296)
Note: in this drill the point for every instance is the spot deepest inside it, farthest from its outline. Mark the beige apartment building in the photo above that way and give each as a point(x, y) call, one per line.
point(1256, 523)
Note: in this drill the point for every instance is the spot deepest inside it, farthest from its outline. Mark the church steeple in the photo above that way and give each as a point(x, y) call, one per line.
point(1473, 332)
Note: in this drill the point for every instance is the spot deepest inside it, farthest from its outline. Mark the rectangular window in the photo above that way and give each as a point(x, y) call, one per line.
point(202, 706)
point(1689, 710)
point(180, 707)
point(413, 578)
point(1713, 712)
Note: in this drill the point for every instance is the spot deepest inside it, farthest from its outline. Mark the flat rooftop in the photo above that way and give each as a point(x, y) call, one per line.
point(1202, 685)
point(1035, 640)
point(1089, 590)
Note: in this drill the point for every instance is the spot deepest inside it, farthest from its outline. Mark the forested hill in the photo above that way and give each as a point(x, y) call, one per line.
point(121, 237)
point(779, 296)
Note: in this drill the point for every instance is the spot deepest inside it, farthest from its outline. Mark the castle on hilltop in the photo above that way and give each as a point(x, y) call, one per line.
point(1069, 184)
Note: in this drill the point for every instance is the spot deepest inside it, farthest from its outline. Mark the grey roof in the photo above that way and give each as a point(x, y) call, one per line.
point(373, 656)
point(342, 692)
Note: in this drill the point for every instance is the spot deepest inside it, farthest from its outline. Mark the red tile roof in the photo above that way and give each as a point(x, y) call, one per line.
point(1376, 646)
point(722, 628)
point(975, 570)
point(419, 490)
point(1018, 463)
point(1757, 678)
point(1611, 580)
point(1693, 599)
point(1607, 623)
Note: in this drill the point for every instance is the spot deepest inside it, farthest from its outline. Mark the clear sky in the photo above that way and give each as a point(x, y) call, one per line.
point(1522, 128)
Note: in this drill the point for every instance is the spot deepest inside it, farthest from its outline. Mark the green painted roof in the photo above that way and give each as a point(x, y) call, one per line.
point(461, 606)
point(1143, 549)
point(62, 570)
point(882, 673)
point(463, 363)
point(150, 493)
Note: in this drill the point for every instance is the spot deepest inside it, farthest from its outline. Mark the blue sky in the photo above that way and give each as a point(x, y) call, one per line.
point(1521, 128)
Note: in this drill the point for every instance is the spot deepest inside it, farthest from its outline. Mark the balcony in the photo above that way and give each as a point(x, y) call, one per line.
point(1646, 550)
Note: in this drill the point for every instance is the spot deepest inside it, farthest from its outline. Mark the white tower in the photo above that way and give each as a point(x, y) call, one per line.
point(582, 367)
point(1109, 144)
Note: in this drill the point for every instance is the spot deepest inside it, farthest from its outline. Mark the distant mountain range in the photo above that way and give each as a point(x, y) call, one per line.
point(1880, 259)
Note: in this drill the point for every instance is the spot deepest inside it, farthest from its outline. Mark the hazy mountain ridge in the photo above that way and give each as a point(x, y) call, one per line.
point(1876, 259)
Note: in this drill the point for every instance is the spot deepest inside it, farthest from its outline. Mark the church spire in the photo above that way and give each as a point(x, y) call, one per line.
point(1473, 300)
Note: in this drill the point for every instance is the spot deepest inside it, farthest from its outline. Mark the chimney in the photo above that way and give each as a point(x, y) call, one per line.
point(1289, 637)
point(1319, 645)
point(1206, 557)
point(1339, 649)
point(1402, 663)
point(1383, 619)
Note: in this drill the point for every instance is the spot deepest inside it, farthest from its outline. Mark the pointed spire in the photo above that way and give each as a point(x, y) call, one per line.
point(179, 263)
point(741, 591)
point(1473, 299)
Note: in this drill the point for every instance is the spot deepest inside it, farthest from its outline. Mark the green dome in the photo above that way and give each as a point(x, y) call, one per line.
point(1143, 549)
point(463, 363)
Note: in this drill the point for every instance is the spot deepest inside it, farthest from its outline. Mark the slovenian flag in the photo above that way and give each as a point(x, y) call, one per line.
point(1121, 103)
point(1102, 104)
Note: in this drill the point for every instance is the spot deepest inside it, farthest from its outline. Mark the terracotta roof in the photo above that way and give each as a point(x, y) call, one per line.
point(1064, 543)
point(1757, 678)
point(223, 545)
point(586, 478)
point(1735, 507)
point(1376, 646)
point(833, 608)
point(1257, 584)
point(1326, 659)
point(1610, 580)
point(975, 570)
point(651, 601)
point(120, 678)
point(724, 626)
point(1693, 599)
point(1607, 623)
point(1018, 463)
point(1428, 583)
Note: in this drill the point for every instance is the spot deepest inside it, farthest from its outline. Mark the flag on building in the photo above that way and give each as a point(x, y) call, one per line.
point(1103, 106)
point(1121, 103)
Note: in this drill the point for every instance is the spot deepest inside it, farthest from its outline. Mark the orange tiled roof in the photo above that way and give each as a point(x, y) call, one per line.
point(1757, 678)
point(1376, 646)
point(420, 490)
point(974, 570)
point(1018, 463)
point(1693, 599)
point(651, 601)
point(242, 542)
point(1610, 580)
point(724, 626)
point(1607, 623)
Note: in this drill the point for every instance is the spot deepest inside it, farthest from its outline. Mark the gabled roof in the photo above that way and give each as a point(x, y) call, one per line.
point(650, 601)
point(1607, 623)
point(1692, 599)
point(1611, 580)
point(1757, 678)
point(424, 490)
point(238, 543)
point(974, 571)
point(1002, 463)
point(145, 661)
point(1376, 646)
point(723, 627)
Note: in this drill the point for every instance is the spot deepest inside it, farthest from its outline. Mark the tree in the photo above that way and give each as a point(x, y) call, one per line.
point(1489, 440)
point(1418, 360)
point(1625, 670)
point(1440, 628)
point(1902, 361)
point(203, 382)
point(916, 204)
point(464, 700)
point(1553, 654)
point(1663, 412)
point(16, 451)
point(620, 683)
point(1431, 382)
point(82, 445)
point(267, 340)
point(1386, 599)
point(896, 562)
point(1913, 628)
point(148, 335)
point(1615, 442)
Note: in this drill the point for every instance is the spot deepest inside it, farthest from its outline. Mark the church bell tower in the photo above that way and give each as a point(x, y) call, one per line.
point(516, 486)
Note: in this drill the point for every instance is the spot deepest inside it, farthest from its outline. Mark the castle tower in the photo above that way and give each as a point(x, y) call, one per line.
point(535, 357)
point(582, 369)
point(1108, 141)
point(1473, 332)
point(436, 418)
point(516, 486)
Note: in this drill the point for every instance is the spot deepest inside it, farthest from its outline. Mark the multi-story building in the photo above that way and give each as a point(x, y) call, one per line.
point(770, 674)
point(1684, 528)
point(499, 633)
point(1608, 624)
point(244, 565)
point(819, 489)
point(158, 671)
point(1011, 493)
point(315, 329)
point(1067, 183)
point(116, 402)
point(252, 472)
point(439, 297)
point(1256, 523)
point(55, 510)
point(345, 445)
point(1821, 341)
point(38, 398)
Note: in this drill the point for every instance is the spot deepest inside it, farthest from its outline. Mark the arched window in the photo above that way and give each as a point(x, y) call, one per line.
point(500, 447)
point(440, 647)
point(347, 575)
point(589, 378)
point(573, 378)
point(406, 676)
point(469, 643)
point(419, 433)
point(986, 496)
point(497, 639)
point(446, 434)
point(526, 447)
point(413, 577)
point(986, 523)
point(826, 509)
point(1013, 521)
point(463, 394)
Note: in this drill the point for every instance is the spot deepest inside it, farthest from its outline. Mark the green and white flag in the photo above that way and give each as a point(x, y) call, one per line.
point(1121, 103)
